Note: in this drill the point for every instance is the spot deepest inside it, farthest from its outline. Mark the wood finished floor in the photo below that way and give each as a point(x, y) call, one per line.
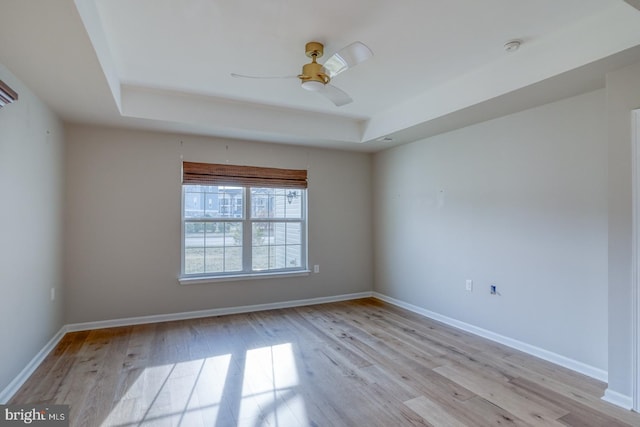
point(356, 363)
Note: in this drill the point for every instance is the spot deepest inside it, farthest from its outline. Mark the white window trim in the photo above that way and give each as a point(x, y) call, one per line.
point(189, 279)
point(194, 280)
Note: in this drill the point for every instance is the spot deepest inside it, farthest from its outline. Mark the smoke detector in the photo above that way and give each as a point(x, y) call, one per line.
point(512, 45)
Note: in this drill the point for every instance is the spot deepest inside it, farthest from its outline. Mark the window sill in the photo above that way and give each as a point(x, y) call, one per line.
point(205, 279)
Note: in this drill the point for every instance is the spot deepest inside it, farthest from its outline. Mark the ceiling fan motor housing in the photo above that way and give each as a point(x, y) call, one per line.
point(313, 75)
point(314, 72)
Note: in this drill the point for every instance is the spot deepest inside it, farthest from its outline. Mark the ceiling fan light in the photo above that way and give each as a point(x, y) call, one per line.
point(312, 85)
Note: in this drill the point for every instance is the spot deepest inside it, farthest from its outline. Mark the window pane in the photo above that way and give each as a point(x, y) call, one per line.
point(233, 259)
point(193, 260)
point(214, 260)
point(279, 204)
point(294, 256)
point(210, 235)
point(260, 258)
point(261, 202)
point(231, 199)
point(210, 204)
point(233, 234)
point(193, 205)
point(194, 247)
point(294, 233)
point(210, 201)
point(294, 204)
point(233, 246)
point(277, 257)
point(279, 233)
point(194, 235)
point(260, 233)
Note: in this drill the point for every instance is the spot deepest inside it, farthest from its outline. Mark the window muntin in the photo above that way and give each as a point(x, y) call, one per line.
point(231, 230)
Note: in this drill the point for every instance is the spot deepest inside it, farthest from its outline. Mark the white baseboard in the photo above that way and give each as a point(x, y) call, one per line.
point(618, 399)
point(74, 327)
point(24, 375)
point(541, 353)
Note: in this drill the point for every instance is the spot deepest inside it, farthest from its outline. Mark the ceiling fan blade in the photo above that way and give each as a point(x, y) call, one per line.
point(335, 95)
point(244, 76)
point(347, 57)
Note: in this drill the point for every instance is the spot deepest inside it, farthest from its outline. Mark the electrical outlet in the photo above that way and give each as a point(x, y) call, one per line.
point(469, 285)
point(316, 268)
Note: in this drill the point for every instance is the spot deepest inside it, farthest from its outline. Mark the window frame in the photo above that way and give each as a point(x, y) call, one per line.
point(247, 246)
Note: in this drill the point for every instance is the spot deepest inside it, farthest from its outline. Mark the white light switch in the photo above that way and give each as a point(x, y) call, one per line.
point(469, 285)
point(316, 268)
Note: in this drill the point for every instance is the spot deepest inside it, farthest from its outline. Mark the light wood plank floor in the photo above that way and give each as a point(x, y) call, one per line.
point(356, 363)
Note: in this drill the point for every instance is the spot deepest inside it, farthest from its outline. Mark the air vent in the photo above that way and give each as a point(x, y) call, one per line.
point(7, 95)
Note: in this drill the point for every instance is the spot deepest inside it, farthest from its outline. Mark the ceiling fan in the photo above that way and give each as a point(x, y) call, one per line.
point(315, 77)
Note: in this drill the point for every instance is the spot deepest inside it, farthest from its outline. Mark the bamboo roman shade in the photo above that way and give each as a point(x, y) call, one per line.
point(216, 174)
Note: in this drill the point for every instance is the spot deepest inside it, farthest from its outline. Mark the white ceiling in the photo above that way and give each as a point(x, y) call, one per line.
point(437, 65)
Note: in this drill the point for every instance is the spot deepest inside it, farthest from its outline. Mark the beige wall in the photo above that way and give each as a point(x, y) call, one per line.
point(520, 202)
point(123, 223)
point(623, 96)
point(31, 191)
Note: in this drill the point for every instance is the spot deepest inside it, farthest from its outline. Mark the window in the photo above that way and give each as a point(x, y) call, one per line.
point(239, 221)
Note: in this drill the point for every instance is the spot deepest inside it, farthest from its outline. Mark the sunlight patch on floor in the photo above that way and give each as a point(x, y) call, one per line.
point(185, 393)
point(262, 391)
point(269, 389)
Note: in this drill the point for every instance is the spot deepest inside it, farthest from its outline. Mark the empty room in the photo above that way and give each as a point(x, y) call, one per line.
point(295, 213)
